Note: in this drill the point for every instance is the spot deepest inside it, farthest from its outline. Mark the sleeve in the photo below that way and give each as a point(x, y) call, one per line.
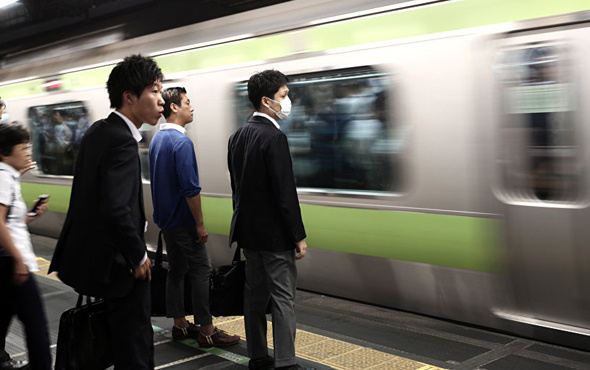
point(5, 188)
point(187, 170)
point(230, 169)
point(120, 188)
point(278, 161)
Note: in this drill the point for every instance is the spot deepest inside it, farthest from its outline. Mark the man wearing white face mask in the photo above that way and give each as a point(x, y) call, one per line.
point(267, 222)
point(285, 105)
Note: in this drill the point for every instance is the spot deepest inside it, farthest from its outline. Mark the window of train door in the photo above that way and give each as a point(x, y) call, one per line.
point(342, 131)
point(540, 158)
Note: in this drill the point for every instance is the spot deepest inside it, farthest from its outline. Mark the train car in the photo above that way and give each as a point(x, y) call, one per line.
point(440, 148)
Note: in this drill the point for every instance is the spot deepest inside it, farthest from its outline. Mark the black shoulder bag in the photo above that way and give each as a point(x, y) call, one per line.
point(226, 288)
point(83, 340)
point(158, 285)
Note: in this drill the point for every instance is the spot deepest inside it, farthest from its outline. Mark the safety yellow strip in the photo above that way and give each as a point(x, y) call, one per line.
point(323, 350)
point(44, 268)
point(331, 352)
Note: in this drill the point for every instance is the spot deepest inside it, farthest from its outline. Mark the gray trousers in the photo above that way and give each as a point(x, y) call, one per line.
point(270, 275)
point(186, 256)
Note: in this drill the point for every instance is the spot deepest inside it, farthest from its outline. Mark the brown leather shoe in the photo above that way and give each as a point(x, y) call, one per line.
point(191, 331)
point(219, 338)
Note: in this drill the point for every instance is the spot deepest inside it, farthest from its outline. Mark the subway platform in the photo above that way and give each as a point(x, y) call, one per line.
point(333, 334)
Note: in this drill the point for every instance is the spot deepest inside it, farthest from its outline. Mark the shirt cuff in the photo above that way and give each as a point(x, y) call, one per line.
point(143, 260)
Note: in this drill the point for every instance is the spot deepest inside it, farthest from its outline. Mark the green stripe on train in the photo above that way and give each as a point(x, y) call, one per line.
point(60, 195)
point(414, 22)
point(453, 241)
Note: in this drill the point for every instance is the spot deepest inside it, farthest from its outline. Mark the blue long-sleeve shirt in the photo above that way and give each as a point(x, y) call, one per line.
point(174, 177)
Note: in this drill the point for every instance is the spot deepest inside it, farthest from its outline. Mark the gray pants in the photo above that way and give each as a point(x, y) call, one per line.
point(186, 256)
point(270, 275)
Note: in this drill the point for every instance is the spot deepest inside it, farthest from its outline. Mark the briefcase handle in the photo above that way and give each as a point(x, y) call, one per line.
point(88, 300)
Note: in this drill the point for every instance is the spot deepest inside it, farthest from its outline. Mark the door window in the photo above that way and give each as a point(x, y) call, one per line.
point(540, 157)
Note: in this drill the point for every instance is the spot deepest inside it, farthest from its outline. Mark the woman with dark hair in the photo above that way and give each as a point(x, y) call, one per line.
point(18, 290)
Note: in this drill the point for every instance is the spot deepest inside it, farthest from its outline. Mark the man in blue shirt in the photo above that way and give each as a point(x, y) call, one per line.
point(177, 211)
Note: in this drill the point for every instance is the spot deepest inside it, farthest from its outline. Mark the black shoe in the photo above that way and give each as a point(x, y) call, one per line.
point(191, 331)
point(262, 363)
point(14, 365)
point(295, 367)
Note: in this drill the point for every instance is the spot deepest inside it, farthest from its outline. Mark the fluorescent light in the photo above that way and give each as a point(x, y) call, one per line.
point(91, 66)
point(20, 80)
point(4, 3)
point(201, 45)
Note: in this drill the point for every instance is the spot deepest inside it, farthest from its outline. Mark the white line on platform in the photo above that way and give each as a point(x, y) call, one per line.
point(181, 361)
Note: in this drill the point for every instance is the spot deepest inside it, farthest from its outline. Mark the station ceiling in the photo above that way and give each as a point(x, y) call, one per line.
point(30, 24)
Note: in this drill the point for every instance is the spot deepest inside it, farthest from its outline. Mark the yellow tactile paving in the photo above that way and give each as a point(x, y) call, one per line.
point(328, 349)
point(335, 353)
point(304, 339)
point(44, 267)
point(332, 352)
point(359, 358)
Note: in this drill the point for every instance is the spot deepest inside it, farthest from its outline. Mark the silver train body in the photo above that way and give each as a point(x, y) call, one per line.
point(486, 123)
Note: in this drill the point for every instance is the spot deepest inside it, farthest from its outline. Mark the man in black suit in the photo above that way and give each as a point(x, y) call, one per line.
point(101, 251)
point(267, 222)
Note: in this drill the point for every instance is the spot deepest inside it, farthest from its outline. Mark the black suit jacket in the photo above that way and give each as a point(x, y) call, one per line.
point(266, 208)
point(102, 238)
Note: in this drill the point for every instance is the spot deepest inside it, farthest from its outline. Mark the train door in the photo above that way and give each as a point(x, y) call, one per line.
point(543, 164)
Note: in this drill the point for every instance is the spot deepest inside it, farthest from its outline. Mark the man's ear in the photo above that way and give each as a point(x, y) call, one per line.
point(264, 102)
point(129, 98)
point(173, 107)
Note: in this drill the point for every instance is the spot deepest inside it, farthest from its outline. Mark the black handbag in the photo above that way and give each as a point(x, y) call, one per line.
point(158, 286)
point(226, 288)
point(83, 340)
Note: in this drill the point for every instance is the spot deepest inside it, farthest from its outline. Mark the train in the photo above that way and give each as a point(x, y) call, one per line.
point(440, 148)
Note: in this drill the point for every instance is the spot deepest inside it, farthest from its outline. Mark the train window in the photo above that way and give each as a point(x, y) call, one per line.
point(56, 132)
point(540, 156)
point(340, 131)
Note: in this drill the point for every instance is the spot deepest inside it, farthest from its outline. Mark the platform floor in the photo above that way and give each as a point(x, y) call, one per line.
point(334, 334)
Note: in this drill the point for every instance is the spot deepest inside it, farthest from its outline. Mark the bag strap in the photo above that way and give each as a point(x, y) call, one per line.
point(88, 300)
point(159, 252)
point(237, 256)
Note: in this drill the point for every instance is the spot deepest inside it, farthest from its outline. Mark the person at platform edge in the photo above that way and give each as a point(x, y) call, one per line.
point(176, 197)
point(101, 250)
point(267, 221)
point(19, 291)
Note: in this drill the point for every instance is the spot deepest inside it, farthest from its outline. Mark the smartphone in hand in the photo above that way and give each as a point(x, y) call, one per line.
point(42, 199)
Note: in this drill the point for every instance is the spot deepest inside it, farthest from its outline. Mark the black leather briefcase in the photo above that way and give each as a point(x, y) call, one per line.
point(83, 341)
point(226, 288)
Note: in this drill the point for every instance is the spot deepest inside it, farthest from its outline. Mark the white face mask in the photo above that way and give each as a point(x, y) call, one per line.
point(285, 108)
